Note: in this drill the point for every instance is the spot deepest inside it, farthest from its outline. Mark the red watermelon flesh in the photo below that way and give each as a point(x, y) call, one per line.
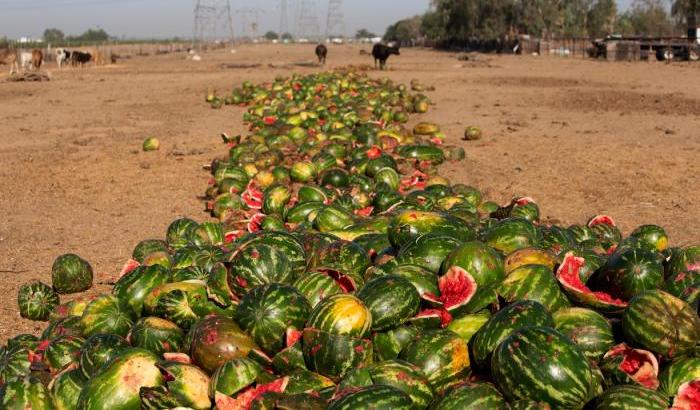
point(601, 220)
point(568, 275)
point(640, 365)
point(245, 399)
point(688, 397)
point(345, 281)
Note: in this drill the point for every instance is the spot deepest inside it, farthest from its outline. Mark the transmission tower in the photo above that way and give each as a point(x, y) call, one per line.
point(251, 21)
point(212, 22)
point(284, 18)
point(335, 23)
point(307, 22)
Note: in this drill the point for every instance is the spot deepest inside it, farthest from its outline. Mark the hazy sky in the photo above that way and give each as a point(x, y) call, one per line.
point(168, 18)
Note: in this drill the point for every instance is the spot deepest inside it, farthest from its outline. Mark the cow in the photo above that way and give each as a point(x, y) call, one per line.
point(80, 58)
point(381, 53)
point(62, 56)
point(37, 59)
point(25, 60)
point(321, 53)
point(9, 57)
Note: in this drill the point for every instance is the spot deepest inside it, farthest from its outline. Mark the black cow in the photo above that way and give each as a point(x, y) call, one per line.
point(321, 53)
point(381, 53)
point(80, 58)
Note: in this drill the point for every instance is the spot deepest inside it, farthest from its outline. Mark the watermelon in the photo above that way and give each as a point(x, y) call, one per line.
point(133, 287)
point(541, 364)
point(556, 239)
point(405, 377)
point(685, 286)
point(569, 277)
point(234, 375)
point(533, 282)
point(347, 259)
point(529, 256)
point(388, 344)
point(267, 311)
point(387, 178)
point(470, 396)
point(304, 381)
point(24, 393)
point(421, 153)
point(688, 396)
point(182, 303)
point(71, 274)
point(36, 301)
point(391, 301)
point(157, 335)
point(605, 230)
point(662, 323)
point(631, 271)
point(65, 388)
point(106, 314)
point(684, 260)
point(627, 396)
point(215, 340)
point(283, 401)
point(653, 237)
point(332, 218)
point(62, 351)
point(186, 386)
point(624, 365)
point(373, 397)
point(341, 314)
point(442, 356)
point(99, 349)
point(678, 372)
point(484, 263)
point(588, 329)
point(409, 225)
point(179, 232)
point(421, 278)
point(258, 264)
point(335, 178)
point(511, 234)
point(14, 362)
point(316, 286)
point(427, 251)
point(333, 355)
point(147, 247)
point(117, 384)
point(208, 233)
point(466, 326)
point(503, 323)
point(281, 241)
point(69, 325)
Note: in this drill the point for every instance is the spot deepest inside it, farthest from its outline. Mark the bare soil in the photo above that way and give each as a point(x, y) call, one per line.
point(581, 137)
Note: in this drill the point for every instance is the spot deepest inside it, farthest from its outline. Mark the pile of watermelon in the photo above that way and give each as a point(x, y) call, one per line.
point(341, 271)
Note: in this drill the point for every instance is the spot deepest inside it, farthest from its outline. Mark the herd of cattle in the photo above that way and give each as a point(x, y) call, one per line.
point(32, 60)
point(380, 52)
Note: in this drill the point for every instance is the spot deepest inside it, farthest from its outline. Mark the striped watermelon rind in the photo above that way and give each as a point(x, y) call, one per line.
point(267, 311)
point(588, 329)
point(533, 282)
point(403, 376)
point(662, 323)
point(503, 323)
point(342, 314)
point(469, 396)
point(678, 372)
point(372, 396)
point(36, 301)
point(626, 396)
point(541, 364)
point(334, 355)
point(391, 300)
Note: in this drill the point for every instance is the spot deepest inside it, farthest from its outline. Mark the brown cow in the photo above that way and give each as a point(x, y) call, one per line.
point(9, 57)
point(37, 58)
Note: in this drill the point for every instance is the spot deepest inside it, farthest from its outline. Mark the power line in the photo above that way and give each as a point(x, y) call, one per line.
point(307, 22)
point(335, 22)
point(284, 18)
point(212, 22)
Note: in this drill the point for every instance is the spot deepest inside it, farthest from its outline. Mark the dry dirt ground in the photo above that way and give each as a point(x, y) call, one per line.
point(581, 137)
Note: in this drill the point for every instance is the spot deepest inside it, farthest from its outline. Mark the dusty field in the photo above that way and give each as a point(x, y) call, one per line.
point(581, 137)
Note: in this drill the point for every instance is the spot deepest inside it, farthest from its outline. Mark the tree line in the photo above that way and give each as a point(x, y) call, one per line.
point(465, 20)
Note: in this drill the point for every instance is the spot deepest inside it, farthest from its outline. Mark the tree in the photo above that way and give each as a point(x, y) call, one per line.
point(364, 33)
point(53, 35)
point(601, 18)
point(646, 17)
point(287, 36)
point(271, 35)
point(685, 12)
point(432, 25)
point(91, 35)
